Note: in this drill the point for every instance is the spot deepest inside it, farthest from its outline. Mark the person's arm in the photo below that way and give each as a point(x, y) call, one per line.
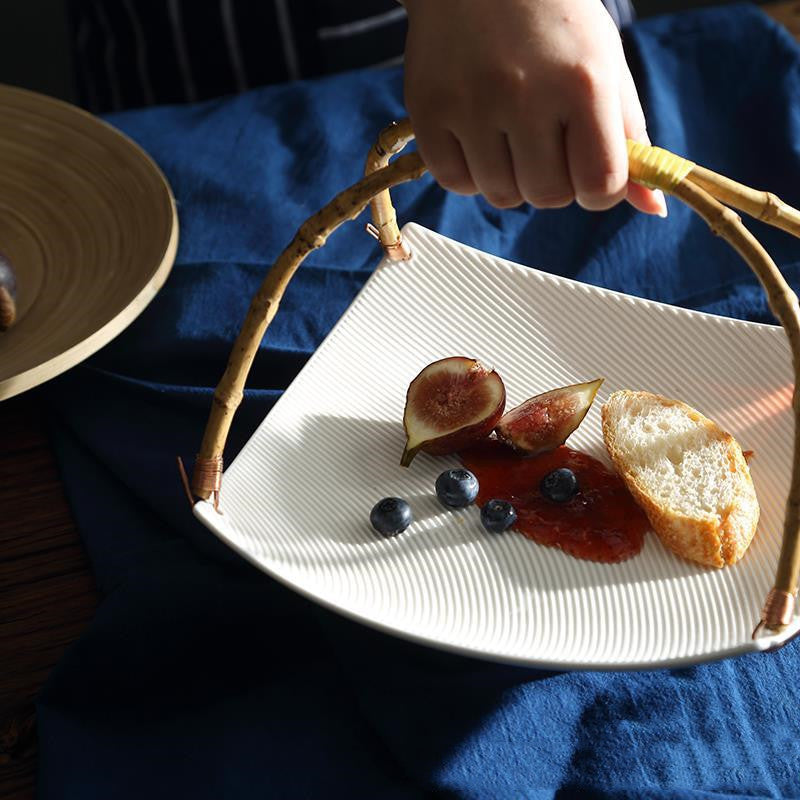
point(524, 100)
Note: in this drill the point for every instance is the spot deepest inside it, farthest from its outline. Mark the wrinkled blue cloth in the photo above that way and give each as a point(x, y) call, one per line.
point(201, 677)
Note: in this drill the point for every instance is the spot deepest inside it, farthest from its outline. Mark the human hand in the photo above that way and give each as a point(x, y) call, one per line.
point(524, 100)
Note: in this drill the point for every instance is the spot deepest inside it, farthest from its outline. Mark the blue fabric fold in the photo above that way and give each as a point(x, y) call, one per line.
point(201, 677)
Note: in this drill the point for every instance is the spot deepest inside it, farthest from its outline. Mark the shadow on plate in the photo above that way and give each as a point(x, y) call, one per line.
point(367, 456)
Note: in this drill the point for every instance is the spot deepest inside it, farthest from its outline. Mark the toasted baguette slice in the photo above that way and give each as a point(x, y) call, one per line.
point(688, 475)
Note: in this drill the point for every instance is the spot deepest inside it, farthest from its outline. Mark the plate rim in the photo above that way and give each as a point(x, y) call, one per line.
point(212, 519)
point(204, 511)
point(80, 351)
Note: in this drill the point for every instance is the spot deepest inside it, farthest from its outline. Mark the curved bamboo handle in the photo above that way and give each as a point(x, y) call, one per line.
point(779, 605)
point(696, 186)
point(312, 234)
point(764, 206)
point(391, 140)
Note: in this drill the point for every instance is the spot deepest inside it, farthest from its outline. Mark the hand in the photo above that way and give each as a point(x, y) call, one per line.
point(524, 100)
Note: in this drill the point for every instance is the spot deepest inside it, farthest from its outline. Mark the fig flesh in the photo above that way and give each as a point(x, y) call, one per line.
point(451, 404)
point(544, 422)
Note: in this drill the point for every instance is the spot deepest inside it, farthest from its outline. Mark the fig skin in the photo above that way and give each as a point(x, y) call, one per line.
point(8, 294)
point(453, 442)
point(479, 384)
point(532, 428)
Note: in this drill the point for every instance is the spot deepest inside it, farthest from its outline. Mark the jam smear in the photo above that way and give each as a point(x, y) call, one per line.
point(600, 523)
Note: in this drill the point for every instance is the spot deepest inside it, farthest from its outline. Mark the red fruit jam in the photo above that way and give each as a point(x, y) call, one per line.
point(600, 523)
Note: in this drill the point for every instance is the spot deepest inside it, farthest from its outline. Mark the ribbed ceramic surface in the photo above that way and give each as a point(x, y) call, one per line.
point(296, 501)
point(89, 224)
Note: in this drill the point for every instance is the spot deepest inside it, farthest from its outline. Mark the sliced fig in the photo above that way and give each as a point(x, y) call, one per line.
point(451, 404)
point(544, 422)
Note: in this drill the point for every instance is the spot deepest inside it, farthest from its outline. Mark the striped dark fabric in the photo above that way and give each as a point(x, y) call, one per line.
point(132, 53)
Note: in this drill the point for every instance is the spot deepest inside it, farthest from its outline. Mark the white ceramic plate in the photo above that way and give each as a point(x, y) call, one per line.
point(296, 500)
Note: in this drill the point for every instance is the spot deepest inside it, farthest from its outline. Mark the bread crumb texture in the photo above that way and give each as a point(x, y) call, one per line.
point(689, 475)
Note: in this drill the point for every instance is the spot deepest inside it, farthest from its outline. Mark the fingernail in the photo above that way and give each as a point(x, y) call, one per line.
point(662, 201)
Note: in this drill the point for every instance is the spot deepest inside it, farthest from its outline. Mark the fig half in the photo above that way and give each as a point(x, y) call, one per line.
point(544, 422)
point(451, 404)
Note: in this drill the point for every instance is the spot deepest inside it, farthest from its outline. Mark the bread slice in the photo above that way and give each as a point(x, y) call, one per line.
point(688, 475)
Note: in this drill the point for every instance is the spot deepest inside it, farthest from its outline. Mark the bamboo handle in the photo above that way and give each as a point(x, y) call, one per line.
point(764, 206)
point(779, 606)
point(696, 186)
point(391, 140)
point(313, 233)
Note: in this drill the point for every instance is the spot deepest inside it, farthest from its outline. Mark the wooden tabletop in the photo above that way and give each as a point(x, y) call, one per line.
point(787, 13)
point(47, 596)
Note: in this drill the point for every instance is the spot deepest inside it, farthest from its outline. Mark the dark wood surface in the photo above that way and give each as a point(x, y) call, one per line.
point(787, 13)
point(47, 596)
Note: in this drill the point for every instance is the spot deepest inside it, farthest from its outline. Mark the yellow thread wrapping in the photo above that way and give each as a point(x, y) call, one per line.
point(655, 167)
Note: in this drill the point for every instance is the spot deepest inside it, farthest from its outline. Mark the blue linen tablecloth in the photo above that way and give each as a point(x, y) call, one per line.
point(201, 677)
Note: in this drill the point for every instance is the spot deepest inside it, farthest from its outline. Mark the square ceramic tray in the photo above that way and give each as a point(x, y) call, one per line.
point(296, 500)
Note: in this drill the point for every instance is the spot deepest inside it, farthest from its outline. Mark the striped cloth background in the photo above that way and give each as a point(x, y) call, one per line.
point(132, 53)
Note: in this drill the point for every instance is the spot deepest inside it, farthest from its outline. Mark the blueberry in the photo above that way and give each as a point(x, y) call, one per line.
point(391, 516)
point(559, 485)
point(457, 488)
point(498, 515)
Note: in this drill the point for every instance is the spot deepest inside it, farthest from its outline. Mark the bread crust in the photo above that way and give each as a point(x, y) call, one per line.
point(710, 541)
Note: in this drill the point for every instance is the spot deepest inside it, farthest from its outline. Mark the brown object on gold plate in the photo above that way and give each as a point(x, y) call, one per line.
point(8, 294)
point(89, 223)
